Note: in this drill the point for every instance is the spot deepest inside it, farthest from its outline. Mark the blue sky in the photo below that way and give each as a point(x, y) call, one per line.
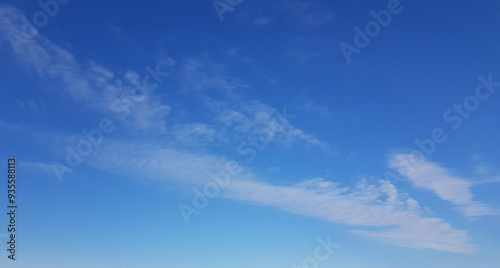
point(252, 133)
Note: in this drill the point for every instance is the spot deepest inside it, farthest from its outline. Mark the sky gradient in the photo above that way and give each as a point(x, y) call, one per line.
point(246, 133)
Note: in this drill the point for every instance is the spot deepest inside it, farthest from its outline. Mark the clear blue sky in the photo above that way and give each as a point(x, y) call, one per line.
point(251, 133)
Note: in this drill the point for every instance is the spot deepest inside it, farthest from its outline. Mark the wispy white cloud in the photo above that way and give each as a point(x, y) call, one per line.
point(482, 169)
point(35, 105)
point(397, 217)
point(109, 92)
point(91, 84)
point(194, 134)
point(430, 176)
point(392, 217)
point(237, 115)
point(308, 105)
point(250, 116)
point(200, 73)
point(379, 206)
point(423, 233)
point(367, 205)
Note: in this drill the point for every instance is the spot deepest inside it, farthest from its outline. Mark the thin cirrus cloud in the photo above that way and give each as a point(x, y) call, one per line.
point(232, 112)
point(399, 219)
point(375, 206)
point(98, 88)
point(91, 84)
point(430, 176)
